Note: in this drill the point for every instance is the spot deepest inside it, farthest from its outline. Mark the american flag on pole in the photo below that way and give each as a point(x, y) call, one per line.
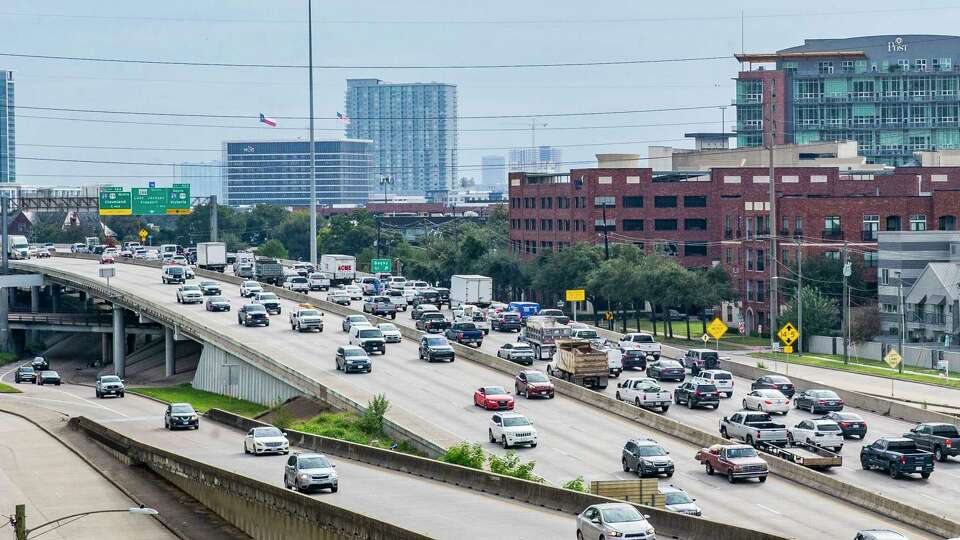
point(343, 119)
point(267, 120)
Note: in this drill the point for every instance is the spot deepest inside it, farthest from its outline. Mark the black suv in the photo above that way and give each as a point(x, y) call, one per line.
point(181, 415)
point(428, 296)
point(436, 348)
point(695, 394)
point(251, 314)
point(647, 457)
point(25, 373)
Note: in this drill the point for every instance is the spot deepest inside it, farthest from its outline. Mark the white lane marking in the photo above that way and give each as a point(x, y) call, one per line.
point(941, 501)
point(768, 509)
point(130, 419)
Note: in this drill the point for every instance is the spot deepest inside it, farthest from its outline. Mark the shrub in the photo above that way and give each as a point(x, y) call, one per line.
point(510, 465)
point(371, 420)
point(577, 484)
point(466, 454)
point(761, 365)
point(281, 416)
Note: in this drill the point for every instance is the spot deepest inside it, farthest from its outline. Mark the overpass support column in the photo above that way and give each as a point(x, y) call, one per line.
point(170, 345)
point(34, 308)
point(5, 341)
point(104, 349)
point(119, 342)
point(55, 293)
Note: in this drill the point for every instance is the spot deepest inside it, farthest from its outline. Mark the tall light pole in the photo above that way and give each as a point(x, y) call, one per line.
point(22, 532)
point(771, 223)
point(313, 171)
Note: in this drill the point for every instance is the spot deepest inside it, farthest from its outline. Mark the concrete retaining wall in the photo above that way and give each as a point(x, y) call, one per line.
point(564, 500)
point(259, 509)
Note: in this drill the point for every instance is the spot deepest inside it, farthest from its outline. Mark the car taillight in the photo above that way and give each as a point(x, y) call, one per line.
point(903, 459)
point(459, 335)
point(768, 402)
point(758, 434)
point(844, 424)
point(697, 393)
point(949, 442)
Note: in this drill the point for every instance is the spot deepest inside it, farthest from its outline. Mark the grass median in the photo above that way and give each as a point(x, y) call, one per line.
point(200, 399)
point(864, 366)
point(7, 389)
point(731, 339)
point(350, 427)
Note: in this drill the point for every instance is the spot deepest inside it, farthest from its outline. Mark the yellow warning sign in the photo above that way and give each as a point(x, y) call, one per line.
point(788, 334)
point(717, 328)
point(893, 359)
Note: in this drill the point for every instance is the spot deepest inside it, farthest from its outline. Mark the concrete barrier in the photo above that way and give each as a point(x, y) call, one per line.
point(543, 495)
point(257, 508)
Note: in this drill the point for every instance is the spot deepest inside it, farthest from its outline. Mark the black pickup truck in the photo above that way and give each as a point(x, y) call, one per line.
point(940, 438)
point(433, 322)
point(896, 455)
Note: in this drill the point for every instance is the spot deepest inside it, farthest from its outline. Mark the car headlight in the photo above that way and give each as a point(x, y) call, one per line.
point(650, 530)
point(193, 417)
point(333, 474)
point(615, 534)
point(304, 476)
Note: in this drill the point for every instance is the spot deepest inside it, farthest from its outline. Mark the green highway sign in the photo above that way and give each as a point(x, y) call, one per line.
point(145, 201)
point(115, 203)
point(381, 265)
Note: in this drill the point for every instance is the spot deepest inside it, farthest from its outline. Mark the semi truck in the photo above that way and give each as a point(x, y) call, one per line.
point(578, 362)
point(342, 269)
point(470, 289)
point(212, 256)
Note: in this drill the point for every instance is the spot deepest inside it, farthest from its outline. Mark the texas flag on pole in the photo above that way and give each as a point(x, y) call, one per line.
point(267, 120)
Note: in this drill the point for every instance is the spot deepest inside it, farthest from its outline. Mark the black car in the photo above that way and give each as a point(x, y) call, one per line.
point(506, 322)
point(436, 348)
point(774, 382)
point(444, 294)
point(647, 457)
point(851, 424)
point(818, 401)
point(253, 314)
point(48, 377)
point(210, 288)
point(694, 394)
point(428, 296)
point(634, 359)
point(217, 303)
point(39, 364)
point(353, 358)
point(666, 370)
point(181, 415)
point(25, 374)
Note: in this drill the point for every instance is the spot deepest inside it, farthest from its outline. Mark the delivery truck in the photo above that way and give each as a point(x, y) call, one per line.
point(342, 269)
point(470, 289)
point(212, 256)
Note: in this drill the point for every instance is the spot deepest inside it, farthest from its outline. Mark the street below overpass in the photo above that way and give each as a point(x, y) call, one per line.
point(575, 439)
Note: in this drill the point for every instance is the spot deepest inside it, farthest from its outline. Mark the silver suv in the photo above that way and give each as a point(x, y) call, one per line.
point(304, 472)
point(647, 457)
point(109, 385)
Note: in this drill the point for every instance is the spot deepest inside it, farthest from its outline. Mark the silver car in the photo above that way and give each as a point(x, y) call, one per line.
point(304, 472)
point(677, 500)
point(614, 520)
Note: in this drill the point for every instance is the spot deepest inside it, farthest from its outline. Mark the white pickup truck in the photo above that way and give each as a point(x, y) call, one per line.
point(642, 341)
point(753, 427)
point(644, 392)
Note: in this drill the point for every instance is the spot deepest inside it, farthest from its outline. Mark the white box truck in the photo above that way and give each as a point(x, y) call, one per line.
point(18, 247)
point(212, 256)
point(467, 289)
point(342, 269)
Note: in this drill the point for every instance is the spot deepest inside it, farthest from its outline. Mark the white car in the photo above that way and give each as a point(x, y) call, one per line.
point(189, 294)
point(180, 259)
point(368, 285)
point(409, 291)
point(767, 400)
point(354, 291)
point(512, 429)
point(723, 380)
point(297, 284)
point(823, 433)
point(396, 282)
point(140, 253)
point(249, 289)
point(152, 255)
point(126, 252)
point(390, 332)
point(614, 520)
point(318, 282)
point(265, 440)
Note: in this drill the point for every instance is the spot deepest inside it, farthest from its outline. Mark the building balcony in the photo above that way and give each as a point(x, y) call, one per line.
point(926, 317)
point(868, 235)
point(783, 233)
point(832, 234)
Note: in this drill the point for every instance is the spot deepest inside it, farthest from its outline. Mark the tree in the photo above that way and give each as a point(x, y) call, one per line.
point(820, 314)
point(826, 273)
point(273, 248)
point(567, 269)
point(294, 232)
point(864, 323)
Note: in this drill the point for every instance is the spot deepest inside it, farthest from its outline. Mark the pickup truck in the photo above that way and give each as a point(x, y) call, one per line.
point(896, 455)
point(751, 427)
point(433, 322)
point(306, 317)
point(645, 393)
point(318, 282)
point(642, 342)
point(380, 306)
point(297, 284)
point(940, 438)
point(736, 461)
point(465, 333)
point(803, 454)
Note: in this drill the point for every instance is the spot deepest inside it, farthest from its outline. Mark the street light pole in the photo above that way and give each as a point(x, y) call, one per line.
point(313, 171)
point(22, 532)
point(771, 223)
point(800, 297)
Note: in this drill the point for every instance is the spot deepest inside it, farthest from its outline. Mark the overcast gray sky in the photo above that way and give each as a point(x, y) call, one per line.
point(380, 32)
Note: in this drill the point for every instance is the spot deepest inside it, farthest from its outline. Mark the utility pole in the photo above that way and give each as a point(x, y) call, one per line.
point(773, 239)
point(606, 243)
point(20, 522)
point(799, 296)
point(846, 305)
point(313, 171)
point(379, 239)
point(213, 218)
point(4, 204)
point(903, 317)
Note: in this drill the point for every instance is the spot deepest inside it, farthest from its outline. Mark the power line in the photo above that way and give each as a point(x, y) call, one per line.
point(327, 67)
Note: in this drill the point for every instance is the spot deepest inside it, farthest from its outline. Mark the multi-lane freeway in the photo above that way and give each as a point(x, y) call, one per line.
point(575, 439)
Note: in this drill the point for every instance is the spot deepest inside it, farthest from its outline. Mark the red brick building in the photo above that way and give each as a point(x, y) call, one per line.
point(722, 216)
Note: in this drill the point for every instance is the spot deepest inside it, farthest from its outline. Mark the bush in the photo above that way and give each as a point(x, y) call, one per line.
point(466, 454)
point(371, 420)
point(761, 365)
point(577, 484)
point(510, 465)
point(281, 416)
point(36, 347)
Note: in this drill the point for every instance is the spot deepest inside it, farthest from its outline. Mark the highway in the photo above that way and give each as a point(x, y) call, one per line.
point(575, 439)
point(363, 488)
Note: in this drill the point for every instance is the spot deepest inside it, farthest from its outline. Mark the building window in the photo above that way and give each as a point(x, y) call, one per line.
point(748, 257)
point(784, 226)
point(826, 66)
point(632, 201)
point(514, 202)
point(761, 291)
point(893, 223)
point(749, 289)
point(611, 225)
point(695, 201)
point(889, 308)
point(563, 202)
point(761, 261)
point(832, 255)
point(947, 223)
point(918, 222)
point(903, 64)
point(546, 224)
point(666, 249)
point(694, 249)
point(632, 225)
point(664, 224)
point(798, 227)
point(785, 256)
point(831, 225)
point(884, 277)
point(846, 66)
point(729, 252)
point(920, 64)
point(665, 201)
point(694, 224)
point(729, 313)
point(546, 202)
point(871, 224)
point(870, 259)
point(600, 202)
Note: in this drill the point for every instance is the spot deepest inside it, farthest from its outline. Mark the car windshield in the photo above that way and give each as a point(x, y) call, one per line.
point(588, 334)
point(357, 318)
point(26, 369)
point(110, 379)
point(181, 409)
point(515, 421)
point(267, 432)
point(722, 376)
point(523, 347)
point(676, 497)
point(621, 514)
point(466, 326)
point(175, 270)
point(537, 377)
point(706, 388)
point(354, 352)
point(436, 342)
point(298, 280)
point(494, 390)
point(251, 284)
point(191, 288)
point(651, 450)
point(669, 364)
point(371, 333)
point(316, 462)
point(848, 416)
point(50, 374)
point(217, 299)
point(387, 327)
point(945, 430)
point(255, 308)
point(828, 426)
point(267, 296)
point(742, 452)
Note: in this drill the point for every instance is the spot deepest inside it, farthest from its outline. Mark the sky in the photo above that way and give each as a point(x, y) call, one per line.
point(392, 33)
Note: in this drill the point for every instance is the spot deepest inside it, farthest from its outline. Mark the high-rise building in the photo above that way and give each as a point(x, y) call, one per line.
point(278, 172)
point(8, 132)
point(894, 95)
point(205, 178)
point(413, 127)
point(493, 171)
point(540, 159)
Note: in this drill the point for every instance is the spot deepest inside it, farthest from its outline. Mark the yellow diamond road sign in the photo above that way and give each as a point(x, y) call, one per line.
point(716, 328)
point(705, 338)
point(893, 358)
point(788, 334)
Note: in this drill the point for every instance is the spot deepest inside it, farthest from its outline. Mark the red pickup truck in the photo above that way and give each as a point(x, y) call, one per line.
point(736, 461)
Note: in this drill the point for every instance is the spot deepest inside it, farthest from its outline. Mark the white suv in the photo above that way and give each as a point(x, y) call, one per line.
point(722, 379)
point(249, 289)
point(512, 429)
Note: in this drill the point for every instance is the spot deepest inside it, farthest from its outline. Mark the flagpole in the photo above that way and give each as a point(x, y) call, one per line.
point(313, 177)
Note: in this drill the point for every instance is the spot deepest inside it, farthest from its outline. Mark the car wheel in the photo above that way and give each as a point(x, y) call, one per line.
point(864, 465)
point(121, 394)
point(626, 467)
point(812, 410)
point(690, 403)
point(749, 440)
point(709, 468)
point(636, 401)
point(334, 489)
point(490, 434)
point(579, 535)
point(938, 454)
point(744, 404)
point(924, 475)
point(730, 477)
point(894, 472)
point(762, 479)
point(503, 442)
point(245, 451)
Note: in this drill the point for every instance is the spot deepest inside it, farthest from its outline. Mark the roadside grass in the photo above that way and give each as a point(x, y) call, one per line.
point(7, 389)
point(350, 427)
point(200, 399)
point(731, 338)
point(864, 366)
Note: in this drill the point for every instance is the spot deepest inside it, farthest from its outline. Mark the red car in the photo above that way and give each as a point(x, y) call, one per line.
point(107, 258)
point(530, 383)
point(493, 398)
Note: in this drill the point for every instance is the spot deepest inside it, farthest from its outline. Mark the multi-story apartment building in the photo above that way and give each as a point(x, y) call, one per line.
point(723, 216)
point(8, 131)
point(493, 173)
point(894, 95)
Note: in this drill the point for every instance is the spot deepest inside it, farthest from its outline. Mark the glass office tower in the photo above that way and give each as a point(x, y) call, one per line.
point(8, 132)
